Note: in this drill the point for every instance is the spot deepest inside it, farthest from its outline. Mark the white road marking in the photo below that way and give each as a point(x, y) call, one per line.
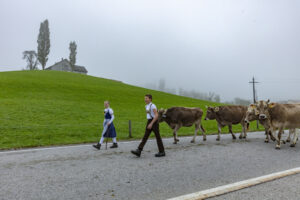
point(236, 186)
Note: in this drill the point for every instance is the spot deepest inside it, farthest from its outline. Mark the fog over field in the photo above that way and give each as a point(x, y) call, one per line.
point(202, 45)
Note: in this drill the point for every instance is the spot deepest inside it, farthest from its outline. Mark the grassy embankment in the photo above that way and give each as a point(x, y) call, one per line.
point(41, 108)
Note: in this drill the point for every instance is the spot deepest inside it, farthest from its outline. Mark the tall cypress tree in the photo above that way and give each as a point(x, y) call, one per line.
point(73, 52)
point(43, 41)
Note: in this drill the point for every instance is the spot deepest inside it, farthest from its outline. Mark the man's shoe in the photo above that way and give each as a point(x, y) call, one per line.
point(160, 154)
point(115, 145)
point(97, 146)
point(136, 152)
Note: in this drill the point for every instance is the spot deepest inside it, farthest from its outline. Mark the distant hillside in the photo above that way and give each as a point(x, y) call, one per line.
point(52, 108)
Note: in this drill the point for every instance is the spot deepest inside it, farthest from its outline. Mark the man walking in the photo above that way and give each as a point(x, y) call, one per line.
point(152, 125)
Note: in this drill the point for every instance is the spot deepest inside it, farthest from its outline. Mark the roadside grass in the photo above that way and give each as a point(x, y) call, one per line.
point(43, 108)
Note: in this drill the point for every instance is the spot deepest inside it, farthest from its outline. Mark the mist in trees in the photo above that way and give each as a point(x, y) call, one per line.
point(239, 101)
point(210, 96)
point(31, 59)
point(43, 41)
point(73, 53)
point(161, 86)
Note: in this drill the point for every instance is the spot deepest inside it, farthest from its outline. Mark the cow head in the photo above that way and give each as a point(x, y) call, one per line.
point(263, 108)
point(162, 115)
point(211, 113)
point(251, 114)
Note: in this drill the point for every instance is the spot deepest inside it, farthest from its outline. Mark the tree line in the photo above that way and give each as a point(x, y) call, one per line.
point(40, 57)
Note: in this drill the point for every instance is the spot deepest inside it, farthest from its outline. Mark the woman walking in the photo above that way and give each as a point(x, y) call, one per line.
point(109, 130)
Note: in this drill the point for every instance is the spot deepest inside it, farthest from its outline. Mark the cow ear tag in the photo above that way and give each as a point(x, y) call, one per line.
point(271, 105)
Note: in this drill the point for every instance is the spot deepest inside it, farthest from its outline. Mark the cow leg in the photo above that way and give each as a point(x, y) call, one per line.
point(279, 138)
point(291, 131)
point(197, 127)
point(267, 136)
point(203, 132)
point(271, 131)
point(230, 130)
point(178, 127)
point(241, 135)
point(219, 131)
point(295, 131)
point(244, 131)
point(175, 134)
point(245, 128)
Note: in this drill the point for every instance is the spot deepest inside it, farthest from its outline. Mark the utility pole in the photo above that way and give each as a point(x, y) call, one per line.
point(253, 82)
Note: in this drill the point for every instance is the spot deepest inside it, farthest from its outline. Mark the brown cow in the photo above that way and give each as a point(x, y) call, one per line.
point(252, 114)
point(176, 117)
point(228, 116)
point(281, 116)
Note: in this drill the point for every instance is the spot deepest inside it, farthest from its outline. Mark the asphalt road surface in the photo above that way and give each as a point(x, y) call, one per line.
point(81, 172)
point(285, 189)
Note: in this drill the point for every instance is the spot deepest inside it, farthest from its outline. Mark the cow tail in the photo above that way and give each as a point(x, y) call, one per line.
point(202, 128)
point(248, 125)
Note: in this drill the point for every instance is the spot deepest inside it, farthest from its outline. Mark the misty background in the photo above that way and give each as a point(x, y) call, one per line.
point(190, 47)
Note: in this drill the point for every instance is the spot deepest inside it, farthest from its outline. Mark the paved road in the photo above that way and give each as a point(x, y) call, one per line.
point(284, 189)
point(84, 173)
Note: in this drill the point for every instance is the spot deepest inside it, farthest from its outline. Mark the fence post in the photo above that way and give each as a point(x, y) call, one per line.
point(129, 126)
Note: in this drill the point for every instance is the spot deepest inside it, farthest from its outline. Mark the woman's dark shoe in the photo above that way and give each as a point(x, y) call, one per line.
point(115, 145)
point(160, 154)
point(97, 146)
point(136, 152)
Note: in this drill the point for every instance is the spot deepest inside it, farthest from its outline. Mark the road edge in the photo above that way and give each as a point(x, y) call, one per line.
point(213, 192)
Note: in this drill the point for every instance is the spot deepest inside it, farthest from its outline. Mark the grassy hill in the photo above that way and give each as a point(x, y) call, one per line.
point(50, 108)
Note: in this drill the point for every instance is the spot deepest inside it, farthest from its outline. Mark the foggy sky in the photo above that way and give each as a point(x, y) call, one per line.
point(206, 45)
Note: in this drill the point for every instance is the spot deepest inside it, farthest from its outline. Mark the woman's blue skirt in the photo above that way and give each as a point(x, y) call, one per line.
point(111, 131)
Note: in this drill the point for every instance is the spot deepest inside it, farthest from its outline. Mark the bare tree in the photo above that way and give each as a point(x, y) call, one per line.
point(73, 53)
point(43, 43)
point(211, 96)
point(31, 59)
point(217, 98)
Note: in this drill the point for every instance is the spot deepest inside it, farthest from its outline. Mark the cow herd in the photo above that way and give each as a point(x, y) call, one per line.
point(272, 116)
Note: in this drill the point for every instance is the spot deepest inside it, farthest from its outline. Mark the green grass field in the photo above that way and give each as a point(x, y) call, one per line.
point(41, 108)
